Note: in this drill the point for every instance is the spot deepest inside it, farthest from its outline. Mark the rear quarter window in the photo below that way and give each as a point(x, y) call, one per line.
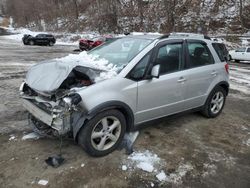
point(221, 51)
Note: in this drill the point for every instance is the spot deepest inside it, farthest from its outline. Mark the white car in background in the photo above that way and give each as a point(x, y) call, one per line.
point(241, 54)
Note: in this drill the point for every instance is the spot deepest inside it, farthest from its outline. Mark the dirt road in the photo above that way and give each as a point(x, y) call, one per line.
point(191, 150)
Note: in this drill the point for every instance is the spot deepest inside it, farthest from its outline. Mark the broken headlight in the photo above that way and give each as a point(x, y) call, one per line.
point(72, 100)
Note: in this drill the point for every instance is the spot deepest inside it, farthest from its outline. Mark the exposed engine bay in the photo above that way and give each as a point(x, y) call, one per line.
point(54, 113)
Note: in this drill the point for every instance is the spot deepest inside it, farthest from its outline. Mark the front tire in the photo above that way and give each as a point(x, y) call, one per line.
point(103, 133)
point(31, 42)
point(215, 103)
point(51, 43)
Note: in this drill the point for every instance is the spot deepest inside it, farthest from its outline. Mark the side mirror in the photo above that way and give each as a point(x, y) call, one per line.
point(155, 72)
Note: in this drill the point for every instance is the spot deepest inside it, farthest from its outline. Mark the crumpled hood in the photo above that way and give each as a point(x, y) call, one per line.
point(47, 76)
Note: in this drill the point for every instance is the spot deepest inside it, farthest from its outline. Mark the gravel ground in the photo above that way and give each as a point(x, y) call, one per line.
point(193, 151)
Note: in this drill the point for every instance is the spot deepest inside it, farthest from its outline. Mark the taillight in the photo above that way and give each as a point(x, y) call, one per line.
point(227, 68)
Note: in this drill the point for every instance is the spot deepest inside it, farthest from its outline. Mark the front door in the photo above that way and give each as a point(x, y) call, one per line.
point(162, 96)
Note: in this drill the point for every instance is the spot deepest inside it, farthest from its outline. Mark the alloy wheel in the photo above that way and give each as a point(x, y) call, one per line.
point(106, 133)
point(217, 102)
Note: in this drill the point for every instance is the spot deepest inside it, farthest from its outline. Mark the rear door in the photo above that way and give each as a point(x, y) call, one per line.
point(240, 54)
point(199, 74)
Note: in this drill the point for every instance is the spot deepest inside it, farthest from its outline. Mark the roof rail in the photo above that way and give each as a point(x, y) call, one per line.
point(189, 35)
point(164, 36)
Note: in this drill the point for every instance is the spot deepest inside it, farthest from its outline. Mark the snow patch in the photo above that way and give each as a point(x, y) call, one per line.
point(12, 137)
point(240, 79)
point(124, 167)
point(222, 157)
point(182, 170)
point(162, 176)
point(32, 135)
point(145, 161)
point(209, 169)
point(247, 142)
point(43, 182)
point(145, 166)
point(84, 59)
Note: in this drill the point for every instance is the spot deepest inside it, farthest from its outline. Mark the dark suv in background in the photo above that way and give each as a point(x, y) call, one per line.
point(40, 39)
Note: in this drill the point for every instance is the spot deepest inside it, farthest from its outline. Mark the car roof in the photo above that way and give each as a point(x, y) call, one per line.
point(173, 36)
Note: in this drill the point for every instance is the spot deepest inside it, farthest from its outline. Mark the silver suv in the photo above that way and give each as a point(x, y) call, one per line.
point(155, 76)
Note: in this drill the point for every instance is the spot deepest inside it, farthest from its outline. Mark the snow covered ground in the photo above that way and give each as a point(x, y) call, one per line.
point(240, 78)
point(62, 38)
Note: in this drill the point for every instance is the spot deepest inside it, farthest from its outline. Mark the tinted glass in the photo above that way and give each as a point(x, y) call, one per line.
point(248, 50)
point(221, 51)
point(199, 55)
point(169, 57)
point(240, 50)
point(139, 70)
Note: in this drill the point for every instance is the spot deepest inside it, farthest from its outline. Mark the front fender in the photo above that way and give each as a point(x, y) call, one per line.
point(79, 119)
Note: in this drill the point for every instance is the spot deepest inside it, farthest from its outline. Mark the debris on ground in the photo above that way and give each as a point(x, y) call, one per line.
point(55, 161)
point(32, 135)
point(43, 182)
point(12, 137)
point(128, 141)
point(82, 165)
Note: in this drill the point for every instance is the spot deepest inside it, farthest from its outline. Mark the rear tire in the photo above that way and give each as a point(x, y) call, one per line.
point(103, 133)
point(215, 103)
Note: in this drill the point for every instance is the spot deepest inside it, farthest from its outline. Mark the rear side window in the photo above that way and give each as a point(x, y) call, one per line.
point(248, 50)
point(199, 55)
point(240, 50)
point(221, 51)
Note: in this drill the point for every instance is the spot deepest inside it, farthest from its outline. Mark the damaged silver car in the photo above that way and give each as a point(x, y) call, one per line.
point(97, 97)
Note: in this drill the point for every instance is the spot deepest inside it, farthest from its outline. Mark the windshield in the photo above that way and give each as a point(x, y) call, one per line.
point(121, 51)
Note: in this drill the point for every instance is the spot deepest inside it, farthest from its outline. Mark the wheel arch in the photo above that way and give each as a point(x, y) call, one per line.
point(224, 85)
point(118, 105)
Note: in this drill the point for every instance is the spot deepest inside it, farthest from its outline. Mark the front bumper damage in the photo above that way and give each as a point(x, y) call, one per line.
point(61, 115)
point(59, 121)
